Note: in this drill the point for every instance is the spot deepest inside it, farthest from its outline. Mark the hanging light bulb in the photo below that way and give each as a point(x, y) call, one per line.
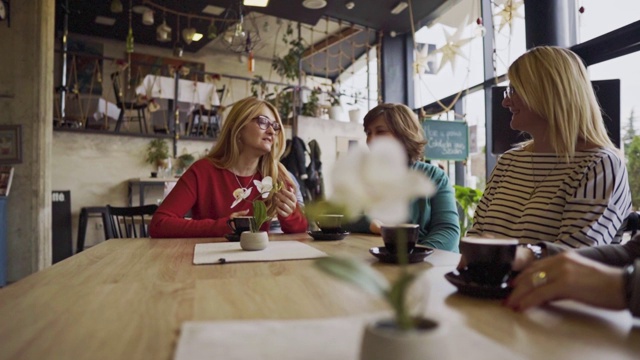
point(130, 41)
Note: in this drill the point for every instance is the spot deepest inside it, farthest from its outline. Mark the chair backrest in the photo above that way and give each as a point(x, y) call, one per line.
point(130, 222)
point(115, 81)
point(221, 93)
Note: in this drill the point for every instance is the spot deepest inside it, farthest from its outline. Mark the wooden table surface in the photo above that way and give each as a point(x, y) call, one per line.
point(126, 299)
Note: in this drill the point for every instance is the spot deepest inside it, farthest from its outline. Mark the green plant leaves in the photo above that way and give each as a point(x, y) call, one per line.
point(259, 213)
point(356, 273)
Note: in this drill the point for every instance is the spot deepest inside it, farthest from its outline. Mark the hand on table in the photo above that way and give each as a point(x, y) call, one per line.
point(568, 276)
point(286, 202)
point(375, 225)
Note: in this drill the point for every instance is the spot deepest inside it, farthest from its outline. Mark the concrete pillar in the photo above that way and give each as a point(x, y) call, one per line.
point(26, 98)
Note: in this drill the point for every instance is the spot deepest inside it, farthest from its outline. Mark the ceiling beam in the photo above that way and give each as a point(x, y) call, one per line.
point(330, 41)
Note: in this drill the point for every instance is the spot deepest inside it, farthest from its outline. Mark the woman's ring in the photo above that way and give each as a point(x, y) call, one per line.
point(539, 278)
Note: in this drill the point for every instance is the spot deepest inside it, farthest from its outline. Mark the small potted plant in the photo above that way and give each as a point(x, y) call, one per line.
point(354, 113)
point(256, 239)
point(336, 112)
point(311, 107)
point(184, 161)
point(467, 198)
point(158, 155)
point(406, 335)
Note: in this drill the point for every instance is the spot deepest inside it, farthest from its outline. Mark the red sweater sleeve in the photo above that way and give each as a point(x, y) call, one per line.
point(208, 192)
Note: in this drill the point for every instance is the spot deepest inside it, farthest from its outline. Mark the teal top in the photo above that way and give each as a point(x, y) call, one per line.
point(437, 215)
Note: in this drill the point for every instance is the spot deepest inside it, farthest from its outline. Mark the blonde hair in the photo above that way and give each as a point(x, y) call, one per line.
point(404, 126)
point(554, 83)
point(227, 150)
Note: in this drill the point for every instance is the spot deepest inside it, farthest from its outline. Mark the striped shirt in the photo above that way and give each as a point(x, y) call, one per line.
point(540, 197)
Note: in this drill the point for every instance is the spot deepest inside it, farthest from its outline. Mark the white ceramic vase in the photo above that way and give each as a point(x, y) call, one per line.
point(336, 112)
point(354, 115)
point(382, 340)
point(253, 241)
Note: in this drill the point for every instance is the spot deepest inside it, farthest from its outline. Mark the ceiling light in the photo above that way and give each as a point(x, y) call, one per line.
point(103, 20)
point(314, 4)
point(213, 10)
point(399, 7)
point(197, 36)
point(256, 3)
point(350, 5)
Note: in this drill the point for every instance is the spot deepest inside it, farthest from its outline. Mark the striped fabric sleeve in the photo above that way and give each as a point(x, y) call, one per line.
point(599, 204)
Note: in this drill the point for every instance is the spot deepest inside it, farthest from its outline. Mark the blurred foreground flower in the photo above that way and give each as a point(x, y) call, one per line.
point(378, 182)
point(381, 184)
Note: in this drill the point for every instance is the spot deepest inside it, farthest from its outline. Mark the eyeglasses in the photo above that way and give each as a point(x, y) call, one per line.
point(509, 92)
point(264, 123)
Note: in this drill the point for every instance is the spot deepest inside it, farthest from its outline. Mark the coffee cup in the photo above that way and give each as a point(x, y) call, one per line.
point(330, 223)
point(488, 260)
point(393, 234)
point(240, 224)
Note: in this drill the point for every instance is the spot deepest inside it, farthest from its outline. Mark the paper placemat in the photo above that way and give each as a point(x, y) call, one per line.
point(220, 253)
point(315, 339)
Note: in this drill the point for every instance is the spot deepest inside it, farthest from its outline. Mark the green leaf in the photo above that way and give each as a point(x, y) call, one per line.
point(259, 213)
point(356, 273)
point(397, 297)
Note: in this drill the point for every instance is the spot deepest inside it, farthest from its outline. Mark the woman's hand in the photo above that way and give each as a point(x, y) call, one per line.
point(568, 276)
point(375, 226)
point(286, 202)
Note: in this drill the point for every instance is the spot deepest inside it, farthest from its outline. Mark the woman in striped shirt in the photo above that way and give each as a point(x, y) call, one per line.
point(568, 184)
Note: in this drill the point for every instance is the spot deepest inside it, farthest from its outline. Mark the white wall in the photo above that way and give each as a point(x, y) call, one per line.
point(96, 169)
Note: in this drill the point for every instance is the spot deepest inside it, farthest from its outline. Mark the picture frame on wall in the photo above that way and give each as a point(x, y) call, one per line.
point(10, 144)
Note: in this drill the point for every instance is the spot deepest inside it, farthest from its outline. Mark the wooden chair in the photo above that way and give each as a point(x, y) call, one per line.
point(130, 222)
point(128, 106)
point(211, 127)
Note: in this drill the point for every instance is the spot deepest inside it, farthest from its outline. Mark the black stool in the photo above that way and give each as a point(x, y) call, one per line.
point(85, 214)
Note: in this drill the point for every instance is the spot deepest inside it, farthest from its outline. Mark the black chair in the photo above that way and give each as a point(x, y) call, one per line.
point(211, 127)
point(131, 106)
point(85, 214)
point(632, 223)
point(130, 222)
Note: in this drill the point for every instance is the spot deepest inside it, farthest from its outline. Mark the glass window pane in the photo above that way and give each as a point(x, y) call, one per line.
point(600, 17)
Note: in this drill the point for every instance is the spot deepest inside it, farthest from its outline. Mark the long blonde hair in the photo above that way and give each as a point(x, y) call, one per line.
point(554, 83)
point(226, 152)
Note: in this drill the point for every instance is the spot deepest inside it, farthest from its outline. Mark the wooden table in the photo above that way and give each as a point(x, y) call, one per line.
point(126, 299)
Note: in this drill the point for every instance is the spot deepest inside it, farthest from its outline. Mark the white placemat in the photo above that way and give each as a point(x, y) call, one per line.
point(220, 253)
point(311, 339)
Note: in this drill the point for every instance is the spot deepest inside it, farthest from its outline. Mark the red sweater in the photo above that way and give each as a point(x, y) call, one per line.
point(207, 191)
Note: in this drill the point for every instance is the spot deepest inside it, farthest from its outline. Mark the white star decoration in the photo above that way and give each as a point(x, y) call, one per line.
point(421, 64)
point(451, 49)
point(508, 12)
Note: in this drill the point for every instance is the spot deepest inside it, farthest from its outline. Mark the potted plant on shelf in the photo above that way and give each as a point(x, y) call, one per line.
point(406, 335)
point(184, 161)
point(354, 113)
point(336, 112)
point(158, 156)
point(256, 239)
point(311, 107)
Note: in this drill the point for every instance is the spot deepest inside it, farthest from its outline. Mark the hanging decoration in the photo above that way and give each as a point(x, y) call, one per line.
point(243, 36)
point(508, 12)
point(451, 49)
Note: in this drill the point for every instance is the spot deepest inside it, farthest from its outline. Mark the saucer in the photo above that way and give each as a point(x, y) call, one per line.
point(320, 236)
point(418, 255)
point(470, 288)
point(232, 237)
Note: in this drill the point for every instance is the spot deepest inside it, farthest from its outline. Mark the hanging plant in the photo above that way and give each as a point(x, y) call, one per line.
point(288, 65)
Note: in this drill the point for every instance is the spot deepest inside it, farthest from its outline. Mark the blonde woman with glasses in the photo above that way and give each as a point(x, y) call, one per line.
point(568, 184)
point(250, 145)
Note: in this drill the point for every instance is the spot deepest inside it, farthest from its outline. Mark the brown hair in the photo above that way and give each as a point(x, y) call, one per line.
point(404, 126)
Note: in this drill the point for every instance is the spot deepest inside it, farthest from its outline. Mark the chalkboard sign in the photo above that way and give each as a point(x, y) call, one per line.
point(447, 140)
